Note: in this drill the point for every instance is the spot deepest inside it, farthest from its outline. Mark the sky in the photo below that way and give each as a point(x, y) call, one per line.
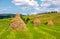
point(28, 6)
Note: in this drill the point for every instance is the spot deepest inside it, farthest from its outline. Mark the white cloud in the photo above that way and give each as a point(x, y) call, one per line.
point(33, 13)
point(25, 2)
point(56, 2)
point(51, 9)
point(57, 9)
point(4, 9)
point(37, 8)
point(45, 4)
point(46, 0)
point(50, 2)
point(32, 6)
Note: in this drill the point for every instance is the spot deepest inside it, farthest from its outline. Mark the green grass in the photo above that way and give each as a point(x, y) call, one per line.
point(34, 32)
point(55, 17)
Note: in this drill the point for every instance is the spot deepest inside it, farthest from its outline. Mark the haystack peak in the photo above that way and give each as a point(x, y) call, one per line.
point(17, 23)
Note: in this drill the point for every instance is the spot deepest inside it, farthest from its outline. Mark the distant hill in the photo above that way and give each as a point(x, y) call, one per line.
point(44, 17)
point(55, 17)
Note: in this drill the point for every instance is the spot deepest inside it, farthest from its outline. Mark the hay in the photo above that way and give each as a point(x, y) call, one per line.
point(50, 22)
point(17, 23)
point(36, 21)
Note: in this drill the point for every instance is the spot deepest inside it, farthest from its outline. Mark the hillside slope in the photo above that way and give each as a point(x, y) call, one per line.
point(55, 17)
point(41, 32)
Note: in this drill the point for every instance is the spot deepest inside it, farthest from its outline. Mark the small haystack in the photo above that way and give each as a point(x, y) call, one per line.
point(50, 22)
point(17, 23)
point(36, 21)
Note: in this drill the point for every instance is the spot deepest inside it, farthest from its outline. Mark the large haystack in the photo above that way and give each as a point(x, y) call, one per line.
point(17, 23)
point(36, 21)
point(50, 22)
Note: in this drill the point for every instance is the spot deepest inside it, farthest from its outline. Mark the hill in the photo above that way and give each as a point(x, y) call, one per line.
point(55, 17)
point(41, 32)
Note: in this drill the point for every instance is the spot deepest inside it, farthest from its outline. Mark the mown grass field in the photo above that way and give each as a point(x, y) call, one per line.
point(33, 32)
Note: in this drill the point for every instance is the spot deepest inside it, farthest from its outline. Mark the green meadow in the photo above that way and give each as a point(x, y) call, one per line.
point(34, 32)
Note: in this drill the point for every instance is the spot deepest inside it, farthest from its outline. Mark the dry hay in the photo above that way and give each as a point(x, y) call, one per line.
point(50, 22)
point(36, 21)
point(17, 23)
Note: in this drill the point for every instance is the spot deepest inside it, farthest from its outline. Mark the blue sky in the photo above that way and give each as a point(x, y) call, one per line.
point(28, 6)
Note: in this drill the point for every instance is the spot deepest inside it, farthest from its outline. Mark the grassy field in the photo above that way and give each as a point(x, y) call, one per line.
point(33, 32)
point(55, 17)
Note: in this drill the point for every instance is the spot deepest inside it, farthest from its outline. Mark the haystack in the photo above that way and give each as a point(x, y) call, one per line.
point(17, 23)
point(36, 21)
point(50, 22)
